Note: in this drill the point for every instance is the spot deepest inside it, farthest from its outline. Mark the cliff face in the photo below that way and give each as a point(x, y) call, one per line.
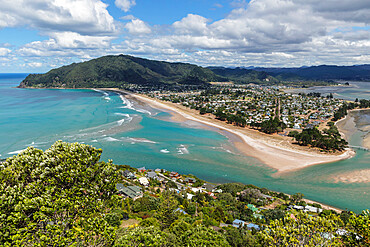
point(113, 71)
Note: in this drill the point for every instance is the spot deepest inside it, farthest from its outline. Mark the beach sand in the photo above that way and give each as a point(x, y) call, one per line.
point(275, 151)
point(359, 176)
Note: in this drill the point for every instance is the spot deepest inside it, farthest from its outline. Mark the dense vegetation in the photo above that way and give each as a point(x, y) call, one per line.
point(327, 140)
point(116, 71)
point(65, 197)
point(240, 75)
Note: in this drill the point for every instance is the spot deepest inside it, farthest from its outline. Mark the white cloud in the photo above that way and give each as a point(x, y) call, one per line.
point(76, 40)
point(87, 17)
point(257, 32)
point(191, 24)
point(34, 64)
point(137, 27)
point(125, 5)
point(4, 51)
point(128, 17)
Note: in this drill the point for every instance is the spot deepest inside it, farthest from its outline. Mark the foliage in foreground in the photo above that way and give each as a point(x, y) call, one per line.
point(57, 197)
point(66, 197)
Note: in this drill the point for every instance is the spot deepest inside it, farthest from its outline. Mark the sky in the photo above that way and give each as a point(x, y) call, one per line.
point(39, 35)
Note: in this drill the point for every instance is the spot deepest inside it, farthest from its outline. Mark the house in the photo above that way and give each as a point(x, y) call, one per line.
point(218, 191)
point(144, 181)
point(190, 180)
point(267, 197)
point(133, 192)
point(209, 187)
point(252, 226)
point(312, 209)
point(238, 223)
point(141, 169)
point(309, 126)
point(128, 174)
point(152, 175)
point(296, 207)
point(189, 196)
point(174, 175)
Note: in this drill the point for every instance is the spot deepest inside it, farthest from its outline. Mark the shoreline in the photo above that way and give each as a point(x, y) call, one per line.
point(183, 116)
point(347, 126)
point(273, 151)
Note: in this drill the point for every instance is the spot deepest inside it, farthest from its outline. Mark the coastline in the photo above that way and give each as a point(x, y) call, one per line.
point(274, 151)
point(347, 126)
point(178, 117)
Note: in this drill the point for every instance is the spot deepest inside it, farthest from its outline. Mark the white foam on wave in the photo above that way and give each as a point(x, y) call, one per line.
point(143, 111)
point(127, 118)
point(120, 122)
point(165, 151)
point(182, 150)
point(107, 98)
point(16, 152)
point(122, 114)
point(141, 140)
point(94, 141)
point(36, 143)
point(100, 91)
point(111, 139)
point(129, 105)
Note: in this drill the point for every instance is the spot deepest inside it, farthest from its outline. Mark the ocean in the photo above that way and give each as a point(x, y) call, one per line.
point(138, 135)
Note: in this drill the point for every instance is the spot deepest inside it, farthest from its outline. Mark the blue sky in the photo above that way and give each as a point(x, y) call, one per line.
point(38, 35)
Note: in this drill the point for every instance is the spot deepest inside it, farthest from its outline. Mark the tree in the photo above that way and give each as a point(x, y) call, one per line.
point(57, 197)
point(297, 197)
point(302, 230)
point(202, 236)
point(166, 212)
point(144, 236)
point(359, 226)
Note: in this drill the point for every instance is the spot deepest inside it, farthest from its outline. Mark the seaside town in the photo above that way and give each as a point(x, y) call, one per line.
point(303, 119)
point(238, 211)
point(255, 104)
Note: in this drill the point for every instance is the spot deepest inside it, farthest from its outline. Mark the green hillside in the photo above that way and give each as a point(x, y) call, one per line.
point(114, 71)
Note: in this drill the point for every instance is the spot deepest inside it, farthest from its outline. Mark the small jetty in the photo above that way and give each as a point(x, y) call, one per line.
point(359, 147)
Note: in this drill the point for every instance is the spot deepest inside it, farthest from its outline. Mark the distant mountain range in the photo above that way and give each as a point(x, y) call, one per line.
point(114, 71)
point(322, 72)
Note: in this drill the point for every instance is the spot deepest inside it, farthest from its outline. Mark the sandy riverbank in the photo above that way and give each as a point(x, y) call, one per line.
point(350, 124)
point(275, 151)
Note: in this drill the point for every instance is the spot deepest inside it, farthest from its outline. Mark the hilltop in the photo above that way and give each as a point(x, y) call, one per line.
point(114, 71)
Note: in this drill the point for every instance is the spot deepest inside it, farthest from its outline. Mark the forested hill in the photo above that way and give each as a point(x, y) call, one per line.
point(113, 71)
point(322, 72)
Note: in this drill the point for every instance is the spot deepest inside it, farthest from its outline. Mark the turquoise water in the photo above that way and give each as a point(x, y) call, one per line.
point(138, 135)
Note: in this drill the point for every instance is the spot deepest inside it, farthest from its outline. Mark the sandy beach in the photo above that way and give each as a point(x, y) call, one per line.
point(275, 151)
point(350, 124)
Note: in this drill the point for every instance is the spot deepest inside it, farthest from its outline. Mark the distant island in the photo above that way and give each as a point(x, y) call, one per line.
point(117, 71)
